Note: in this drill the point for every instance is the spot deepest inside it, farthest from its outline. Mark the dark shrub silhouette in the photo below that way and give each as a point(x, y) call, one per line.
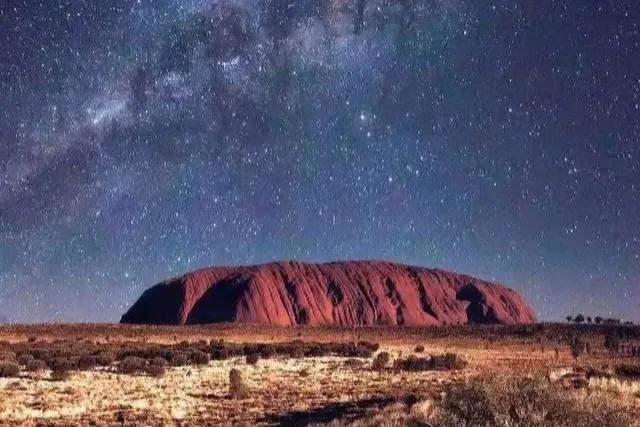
point(179, 359)
point(9, 369)
point(131, 365)
point(35, 365)
point(253, 358)
point(199, 358)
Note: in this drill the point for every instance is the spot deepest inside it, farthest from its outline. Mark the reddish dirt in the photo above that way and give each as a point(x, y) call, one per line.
point(337, 293)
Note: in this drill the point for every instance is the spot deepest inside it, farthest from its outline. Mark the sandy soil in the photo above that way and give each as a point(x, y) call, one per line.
point(282, 390)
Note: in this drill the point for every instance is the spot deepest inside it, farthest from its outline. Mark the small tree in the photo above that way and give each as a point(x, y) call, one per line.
point(589, 320)
point(598, 320)
point(579, 318)
point(569, 319)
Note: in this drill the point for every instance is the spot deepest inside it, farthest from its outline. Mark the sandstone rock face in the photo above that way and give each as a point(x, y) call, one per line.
point(336, 293)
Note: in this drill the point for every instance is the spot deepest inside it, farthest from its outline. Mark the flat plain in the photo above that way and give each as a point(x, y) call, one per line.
point(87, 374)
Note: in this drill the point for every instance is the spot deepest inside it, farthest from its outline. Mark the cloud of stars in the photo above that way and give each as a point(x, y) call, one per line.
point(143, 139)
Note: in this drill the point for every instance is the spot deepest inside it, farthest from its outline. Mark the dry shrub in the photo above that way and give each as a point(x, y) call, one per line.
point(42, 353)
point(316, 350)
point(373, 346)
point(237, 388)
point(131, 365)
point(364, 350)
point(353, 363)
point(87, 362)
point(593, 372)
point(156, 370)
point(253, 358)
point(60, 375)
point(220, 354)
point(199, 358)
point(577, 346)
point(24, 359)
point(105, 358)
point(153, 351)
point(9, 369)
point(7, 356)
point(612, 341)
point(419, 349)
point(179, 359)
point(525, 402)
point(628, 371)
point(267, 351)
point(293, 349)
point(304, 373)
point(250, 348)
point(60, 364)
point(381, 360)
point(35, 365)
point(449, 361)
point(159, 361)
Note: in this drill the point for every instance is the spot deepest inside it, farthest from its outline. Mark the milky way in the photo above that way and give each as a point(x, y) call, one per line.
point(142, 139)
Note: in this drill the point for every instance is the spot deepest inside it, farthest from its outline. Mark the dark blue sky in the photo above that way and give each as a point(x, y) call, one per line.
point(142, 139)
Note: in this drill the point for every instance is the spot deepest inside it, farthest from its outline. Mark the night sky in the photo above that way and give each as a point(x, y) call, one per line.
point(143, 139)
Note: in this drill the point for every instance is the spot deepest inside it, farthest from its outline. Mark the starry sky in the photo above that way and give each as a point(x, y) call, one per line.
point(143, 139)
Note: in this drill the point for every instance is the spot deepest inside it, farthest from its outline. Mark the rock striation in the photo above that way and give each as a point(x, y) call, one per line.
point(335, 293)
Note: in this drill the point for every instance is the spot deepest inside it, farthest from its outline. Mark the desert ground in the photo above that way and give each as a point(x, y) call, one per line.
point(547, 374)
